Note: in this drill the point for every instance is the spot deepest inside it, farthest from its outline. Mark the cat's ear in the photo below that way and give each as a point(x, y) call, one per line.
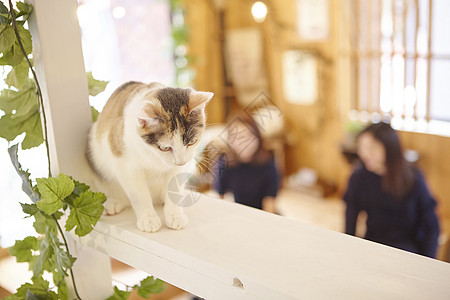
point(148, 119)
point(198, 100)
point(148, 122)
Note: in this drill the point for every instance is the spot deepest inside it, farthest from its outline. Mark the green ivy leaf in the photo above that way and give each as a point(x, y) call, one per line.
point(32, 296)
point(7, 36)
point(94, 113)
point(95, 86)
point(11, 127)
point(25, 36)
point(43, 222)
point(52, 257)
point(64, 260)
point(22, 249)
point(85, 212)
point(21, 115)
point(59, 281)
point(29, 209)
point(53, 191)
point(27, 187)
point(3, 8)
point(14, 55)
point(79, 189)
point(33, 129)
point(18, 76)
point(40, 287)
point(20, 103)
point(45, 253)
point(119, 295)
point(24, 9)
point(150, 286)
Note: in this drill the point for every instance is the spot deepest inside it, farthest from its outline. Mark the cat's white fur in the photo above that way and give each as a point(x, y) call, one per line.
point(140, 175)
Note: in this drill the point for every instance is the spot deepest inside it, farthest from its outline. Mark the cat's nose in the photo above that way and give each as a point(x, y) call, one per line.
point(180, 163)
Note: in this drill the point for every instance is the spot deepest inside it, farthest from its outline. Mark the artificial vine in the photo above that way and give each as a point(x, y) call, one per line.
point(51, 197)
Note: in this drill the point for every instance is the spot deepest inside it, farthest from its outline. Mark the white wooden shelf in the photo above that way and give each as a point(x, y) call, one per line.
point(273, 257)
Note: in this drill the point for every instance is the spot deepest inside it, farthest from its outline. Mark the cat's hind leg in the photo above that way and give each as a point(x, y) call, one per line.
point(116, 199)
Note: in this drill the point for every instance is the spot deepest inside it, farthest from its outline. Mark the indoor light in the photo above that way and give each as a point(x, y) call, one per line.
point(119, 12)
point(259, 11)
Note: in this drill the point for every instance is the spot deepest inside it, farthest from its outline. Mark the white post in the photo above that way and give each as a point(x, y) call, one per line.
point(60, 69)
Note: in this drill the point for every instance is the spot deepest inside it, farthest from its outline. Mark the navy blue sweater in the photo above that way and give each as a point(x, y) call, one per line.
point(410, 224)
point(249, 183)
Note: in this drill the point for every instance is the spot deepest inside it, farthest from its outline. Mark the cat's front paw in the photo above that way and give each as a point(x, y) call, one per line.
point(149, 223)
point(176, 221)
point(114, 206)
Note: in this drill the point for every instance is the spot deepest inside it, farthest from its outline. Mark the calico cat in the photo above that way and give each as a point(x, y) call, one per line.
point(145, 135)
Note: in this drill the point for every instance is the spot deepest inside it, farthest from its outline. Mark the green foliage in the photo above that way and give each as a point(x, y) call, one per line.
point(27, 187)
point(119, 295)
point(38, 290)
point(7, 37)
point(10, 46)
point(95, 86)
point(44, 222)
point(85, 212)
point(94, 113)
point(150, 285)
point(18, 76)
point(53, 192)
point(22, 249)
point(46, 253)
point(21, 110)
point(52, 257)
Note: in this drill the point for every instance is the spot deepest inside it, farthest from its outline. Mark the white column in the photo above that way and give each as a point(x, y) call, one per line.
point(60, 69)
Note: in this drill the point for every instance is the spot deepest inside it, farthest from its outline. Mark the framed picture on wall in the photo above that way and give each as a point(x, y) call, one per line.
point(313, 19)
point(300, 77)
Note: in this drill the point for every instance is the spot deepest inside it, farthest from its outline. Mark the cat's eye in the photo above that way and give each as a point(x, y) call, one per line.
point(164, 149)
point(192, 142)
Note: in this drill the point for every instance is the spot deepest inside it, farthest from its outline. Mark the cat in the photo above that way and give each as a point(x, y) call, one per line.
point(146, 135)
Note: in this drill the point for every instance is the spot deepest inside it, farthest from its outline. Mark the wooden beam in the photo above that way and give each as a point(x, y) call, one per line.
point(60, 69)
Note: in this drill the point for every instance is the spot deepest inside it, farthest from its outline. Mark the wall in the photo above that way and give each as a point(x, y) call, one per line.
point(205, 49)
point(314, 132)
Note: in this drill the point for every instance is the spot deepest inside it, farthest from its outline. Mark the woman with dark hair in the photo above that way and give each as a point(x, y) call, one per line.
point(393, 193)
point(247, 169)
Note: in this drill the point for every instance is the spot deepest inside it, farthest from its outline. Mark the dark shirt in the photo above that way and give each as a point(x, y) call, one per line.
point(410, 224)
point(249, 183)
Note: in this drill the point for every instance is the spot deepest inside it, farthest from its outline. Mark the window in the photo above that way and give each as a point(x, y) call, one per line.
point(394, 56)
point(126, 40)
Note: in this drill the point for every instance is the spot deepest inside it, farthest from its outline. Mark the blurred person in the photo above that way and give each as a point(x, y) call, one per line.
point(247, 169)
point(393, 193)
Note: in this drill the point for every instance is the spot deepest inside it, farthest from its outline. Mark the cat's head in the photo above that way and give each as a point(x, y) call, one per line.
point(172, 121)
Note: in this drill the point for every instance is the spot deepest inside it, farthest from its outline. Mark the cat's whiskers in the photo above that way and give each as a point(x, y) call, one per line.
point(207, 166)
